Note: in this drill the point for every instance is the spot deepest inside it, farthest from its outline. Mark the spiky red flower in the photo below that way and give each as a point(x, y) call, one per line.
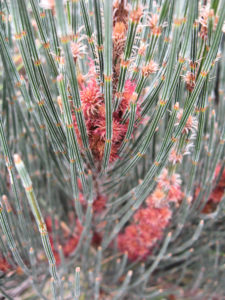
point(153, 21)
point(136, 14)
point(157, 198)
point(91, 99)
point(99, 203)
point(175, 157)
point(93, 107)
point(166, 180)
point(98, 137)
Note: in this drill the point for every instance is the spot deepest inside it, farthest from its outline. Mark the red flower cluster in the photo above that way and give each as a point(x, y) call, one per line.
point(93, 107)
point(140, 237)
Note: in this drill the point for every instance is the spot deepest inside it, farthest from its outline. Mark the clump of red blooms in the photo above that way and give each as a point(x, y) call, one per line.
point(149, 222)
point(216, 194)
point(93, 107)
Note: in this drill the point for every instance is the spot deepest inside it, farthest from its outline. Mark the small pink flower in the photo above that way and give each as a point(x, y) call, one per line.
point(168, 190)
point(166, 181)
point(174, 157)
point(136, 14)
point(189, 78)
point(191, 124)
point(151, 67)
point(119, 31)
point(141, 50)
point(153, 20)
point(78, 50)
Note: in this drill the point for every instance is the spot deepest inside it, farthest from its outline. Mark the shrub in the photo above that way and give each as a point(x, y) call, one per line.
point(112, 149)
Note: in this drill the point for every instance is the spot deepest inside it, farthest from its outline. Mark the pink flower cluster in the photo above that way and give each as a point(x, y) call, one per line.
point(147, 228)
point(141, 236)
point(93, 107)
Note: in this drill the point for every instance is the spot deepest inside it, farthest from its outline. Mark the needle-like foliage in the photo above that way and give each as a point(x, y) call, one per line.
point(112, 149)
